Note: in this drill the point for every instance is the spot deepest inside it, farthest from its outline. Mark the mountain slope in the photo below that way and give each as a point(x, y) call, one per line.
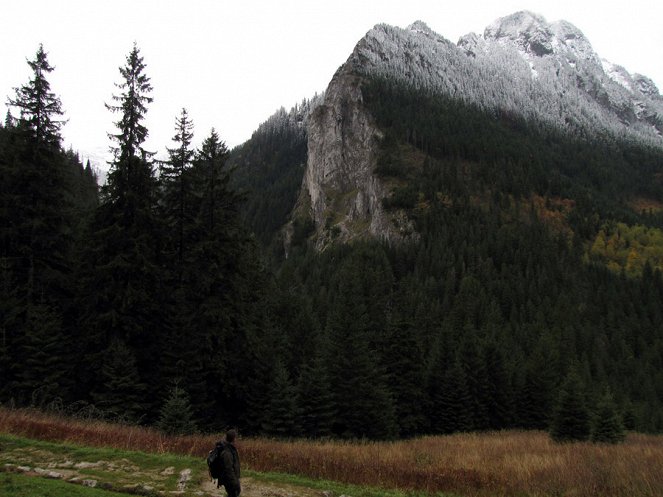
point(523, 73)
point(472, 229)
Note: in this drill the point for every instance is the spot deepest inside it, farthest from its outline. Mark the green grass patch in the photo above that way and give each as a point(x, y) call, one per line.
point(336, 488)
point(18, 485)
point(112, 468)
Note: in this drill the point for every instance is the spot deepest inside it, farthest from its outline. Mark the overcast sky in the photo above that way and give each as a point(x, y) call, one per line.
point(233, 63)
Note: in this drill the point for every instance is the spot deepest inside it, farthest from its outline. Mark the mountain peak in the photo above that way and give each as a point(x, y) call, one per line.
point(421, 27)
point(533, 35)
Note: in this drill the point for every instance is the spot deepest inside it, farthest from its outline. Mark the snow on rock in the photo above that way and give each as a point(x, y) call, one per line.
point(546, 72)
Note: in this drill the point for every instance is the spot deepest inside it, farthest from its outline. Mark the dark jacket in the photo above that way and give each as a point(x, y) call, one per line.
point(230, 458)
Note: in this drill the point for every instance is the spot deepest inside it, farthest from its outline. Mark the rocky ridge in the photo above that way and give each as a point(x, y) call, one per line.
point(545, 72)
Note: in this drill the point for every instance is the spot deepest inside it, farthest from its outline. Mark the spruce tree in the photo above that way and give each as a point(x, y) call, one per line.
point(316, 408)
point(176, 191)
point(175, 416)
point(39, 107)
point(121, 271)
point(36, 237)
point(280, 418)
point(570, 419)
point(363, 402)
point(120, 393)
point(607, 426)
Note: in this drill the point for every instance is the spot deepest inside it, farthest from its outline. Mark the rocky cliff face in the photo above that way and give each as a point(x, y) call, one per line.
point(545, 72)
point(340, 190)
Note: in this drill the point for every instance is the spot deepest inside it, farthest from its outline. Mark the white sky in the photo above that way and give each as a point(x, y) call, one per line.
point(233, 63)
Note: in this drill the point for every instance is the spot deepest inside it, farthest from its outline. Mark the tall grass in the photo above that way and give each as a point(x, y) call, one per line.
point(491, 464)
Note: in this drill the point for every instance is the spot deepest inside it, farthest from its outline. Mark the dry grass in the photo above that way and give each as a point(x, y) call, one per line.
point(492, 464)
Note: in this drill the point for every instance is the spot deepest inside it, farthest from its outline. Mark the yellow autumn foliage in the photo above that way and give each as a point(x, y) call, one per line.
point(622, 247)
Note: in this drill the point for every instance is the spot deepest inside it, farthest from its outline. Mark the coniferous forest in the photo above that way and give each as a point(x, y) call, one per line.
point(531, 298)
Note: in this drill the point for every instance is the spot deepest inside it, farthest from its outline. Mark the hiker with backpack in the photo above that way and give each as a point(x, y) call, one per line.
point(223, 464)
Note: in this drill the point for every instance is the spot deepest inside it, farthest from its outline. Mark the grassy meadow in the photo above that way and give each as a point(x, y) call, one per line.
point(513, 463)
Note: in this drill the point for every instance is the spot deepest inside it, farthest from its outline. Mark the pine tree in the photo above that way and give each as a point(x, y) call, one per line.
point(607, 426)
point(175, 416)
point(499, 400)
point(570, 419)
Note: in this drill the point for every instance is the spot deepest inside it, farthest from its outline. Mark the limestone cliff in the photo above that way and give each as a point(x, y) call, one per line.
point(522, 65)
point(340, 190)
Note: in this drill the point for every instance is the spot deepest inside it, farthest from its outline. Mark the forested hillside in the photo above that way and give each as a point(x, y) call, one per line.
point(507, 292)
point(534, 275)
point(269, 166)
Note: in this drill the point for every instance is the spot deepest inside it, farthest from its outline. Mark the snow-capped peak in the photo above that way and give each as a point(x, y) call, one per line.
point(522, 64)
point(421, 27)
point(534, 36)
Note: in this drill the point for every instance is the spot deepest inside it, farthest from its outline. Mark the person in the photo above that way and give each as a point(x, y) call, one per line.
point(230, 458)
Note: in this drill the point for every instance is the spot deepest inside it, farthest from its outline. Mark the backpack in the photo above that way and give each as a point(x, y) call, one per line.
point(215, 462)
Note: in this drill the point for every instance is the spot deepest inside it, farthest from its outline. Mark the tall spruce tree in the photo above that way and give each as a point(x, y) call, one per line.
point(121, 271)
point(176, 190)
point(39, 107)
point(223, 281)
point(35, 237)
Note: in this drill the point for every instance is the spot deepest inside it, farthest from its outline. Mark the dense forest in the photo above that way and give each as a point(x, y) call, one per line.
point(533, 280)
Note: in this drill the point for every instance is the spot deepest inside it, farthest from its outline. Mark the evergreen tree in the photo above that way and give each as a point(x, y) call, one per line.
point(453, 402)
point(44, 374)
point(175, 416)
point(405, 367)
point(36, 238)
point(176, 190)
point(39, 106)
point(363, 403)
point(499, 401)
point(121, 272)
point(316, 409)
point(570, 419)
point(281, 415)
point(120, 393)
point(608, 426)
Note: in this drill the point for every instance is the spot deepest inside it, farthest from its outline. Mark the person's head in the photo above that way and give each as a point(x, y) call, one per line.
point(231, 435)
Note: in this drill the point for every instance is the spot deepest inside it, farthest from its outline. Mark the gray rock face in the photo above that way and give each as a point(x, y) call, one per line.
point(545, 72)
point(340, 189)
